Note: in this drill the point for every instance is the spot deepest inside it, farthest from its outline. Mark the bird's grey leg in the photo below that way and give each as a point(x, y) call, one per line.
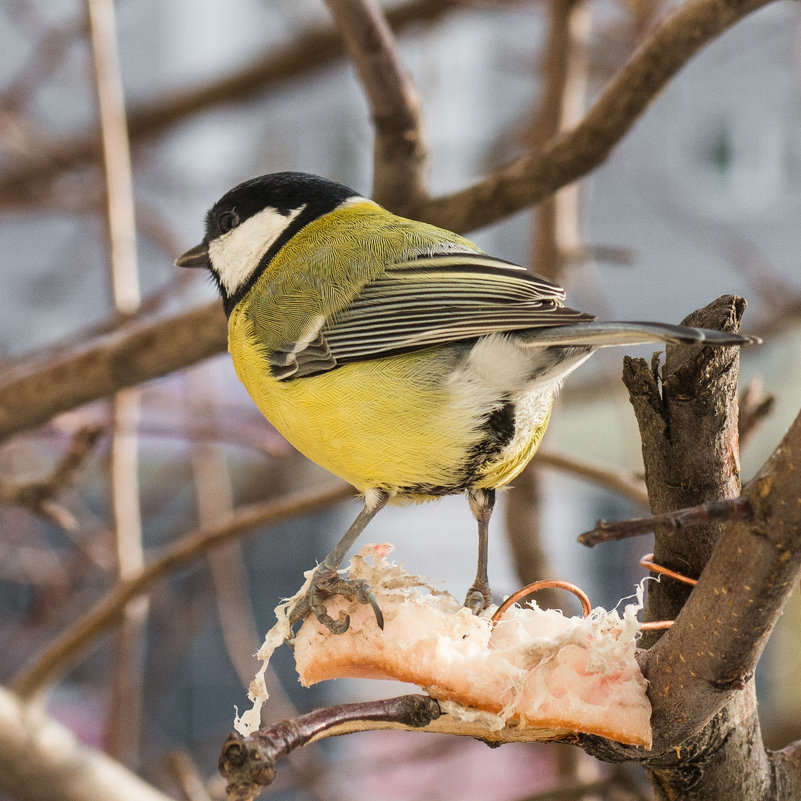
point(482, 502)
point(326, 581)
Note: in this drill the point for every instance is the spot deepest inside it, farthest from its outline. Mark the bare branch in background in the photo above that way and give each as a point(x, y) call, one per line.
point(564, 72)
point(95, 370)
point(400, 158)
point(65, 648)
point(535, 176)
point(42, 760)
point(311, 50)
point(125, 705)
point(755, 406)
point(37, 495)
point(214, 500)
point(626, 484)
point(187, 777)
point(35, 391)
point(563, 76)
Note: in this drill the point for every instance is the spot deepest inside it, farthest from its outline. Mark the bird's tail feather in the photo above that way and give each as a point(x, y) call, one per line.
point(600, 334)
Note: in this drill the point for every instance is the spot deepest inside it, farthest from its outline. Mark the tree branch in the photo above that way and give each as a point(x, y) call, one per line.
point(679, 520)
point(400, 153)
point(707, 740)
point(688, 425)
point(37, 495)
point(41, 760)
point(627, 484)
point(711, 651)
point(311, 50)
point(248, 763)
point(37, 390)
point(63, 650)
point(568, 157)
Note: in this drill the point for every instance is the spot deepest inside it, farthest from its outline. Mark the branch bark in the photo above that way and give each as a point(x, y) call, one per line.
point(688, 425)
point(707, 741)
point(400, 153)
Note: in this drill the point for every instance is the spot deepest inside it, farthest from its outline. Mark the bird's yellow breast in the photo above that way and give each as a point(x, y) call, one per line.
point(402, 423)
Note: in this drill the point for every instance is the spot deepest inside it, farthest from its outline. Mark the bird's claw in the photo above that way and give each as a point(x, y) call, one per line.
point(478, 598)
point(324, 585)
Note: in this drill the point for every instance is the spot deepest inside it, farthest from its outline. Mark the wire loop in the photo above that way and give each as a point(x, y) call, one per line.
point(523, 592)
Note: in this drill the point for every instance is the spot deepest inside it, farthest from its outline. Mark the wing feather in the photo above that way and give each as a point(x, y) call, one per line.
point(429, 301)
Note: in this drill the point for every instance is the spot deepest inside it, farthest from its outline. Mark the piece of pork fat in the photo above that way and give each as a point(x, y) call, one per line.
point(536, 668)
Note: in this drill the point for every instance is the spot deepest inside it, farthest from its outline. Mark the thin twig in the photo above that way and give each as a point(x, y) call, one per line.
point(564, 72)
point(65, 648)
point(214, 499)
point(125, 703)
point(755, 406)
point(37, 495)
point(185, 773)
point(627, 484)
point(116, 157)
point(727, 510)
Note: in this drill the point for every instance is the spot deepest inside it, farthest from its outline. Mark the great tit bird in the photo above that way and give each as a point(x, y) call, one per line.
point(395, 354)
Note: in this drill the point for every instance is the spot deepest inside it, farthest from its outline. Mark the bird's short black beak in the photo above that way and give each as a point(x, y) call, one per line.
point(197, 256)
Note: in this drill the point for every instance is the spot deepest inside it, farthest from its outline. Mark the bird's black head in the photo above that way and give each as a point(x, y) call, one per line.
point(249, 223)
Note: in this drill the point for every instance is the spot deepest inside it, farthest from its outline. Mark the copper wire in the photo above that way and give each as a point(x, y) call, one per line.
point(586, 606)
point(648, 563)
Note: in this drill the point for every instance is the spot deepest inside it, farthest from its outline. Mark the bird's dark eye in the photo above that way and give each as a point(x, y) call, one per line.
point(227, 220)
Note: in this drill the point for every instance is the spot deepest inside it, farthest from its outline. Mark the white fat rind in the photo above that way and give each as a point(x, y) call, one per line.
point(236, 255)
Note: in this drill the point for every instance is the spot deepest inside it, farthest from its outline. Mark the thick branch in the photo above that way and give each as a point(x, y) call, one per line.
point(688, 426)
point(400, 152)
point(36, 391)
point(41, 760)
point(707, 741)
point(533, 177)
point(711, 651)
point(621, 481)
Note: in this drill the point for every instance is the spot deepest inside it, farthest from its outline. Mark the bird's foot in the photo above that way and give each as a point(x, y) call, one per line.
point(326, 584)
point(478, 597)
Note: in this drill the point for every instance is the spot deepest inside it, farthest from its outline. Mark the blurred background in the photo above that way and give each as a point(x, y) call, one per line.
point(702, 198)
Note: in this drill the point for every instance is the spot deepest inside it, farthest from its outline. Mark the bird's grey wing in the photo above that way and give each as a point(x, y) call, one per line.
point(428, 301)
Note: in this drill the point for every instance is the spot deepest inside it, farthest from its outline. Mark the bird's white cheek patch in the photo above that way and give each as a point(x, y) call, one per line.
point(236, 255)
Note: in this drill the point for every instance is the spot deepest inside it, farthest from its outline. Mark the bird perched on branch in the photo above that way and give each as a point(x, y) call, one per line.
point(395, 354)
